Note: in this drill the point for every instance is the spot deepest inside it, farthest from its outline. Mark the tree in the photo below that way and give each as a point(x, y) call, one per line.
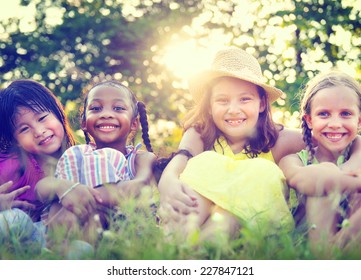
point(97, 37)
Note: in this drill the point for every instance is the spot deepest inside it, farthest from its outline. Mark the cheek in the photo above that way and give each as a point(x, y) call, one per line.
point(58, 128)
point(23, 141)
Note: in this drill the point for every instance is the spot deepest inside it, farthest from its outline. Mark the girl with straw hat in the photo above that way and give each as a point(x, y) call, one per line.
point(233, 147)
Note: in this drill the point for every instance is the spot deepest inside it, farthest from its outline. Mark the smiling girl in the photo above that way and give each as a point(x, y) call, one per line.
point(34, 133)
point(107, 162)
point(331, 115)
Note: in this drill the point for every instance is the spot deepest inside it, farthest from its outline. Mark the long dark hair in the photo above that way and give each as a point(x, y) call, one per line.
point(138, 108)
point(34, 96)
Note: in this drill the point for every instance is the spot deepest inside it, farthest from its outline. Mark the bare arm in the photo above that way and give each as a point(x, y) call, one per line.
point(174, 195)
point(354, 162)
point(289, 142)
point(112, 194)
point(318, 179)
point(81, 200)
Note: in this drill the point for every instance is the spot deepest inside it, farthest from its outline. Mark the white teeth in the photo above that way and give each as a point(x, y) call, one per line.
point(334, 136)
point(234, 121)
point(47, 139)
point(106, 127)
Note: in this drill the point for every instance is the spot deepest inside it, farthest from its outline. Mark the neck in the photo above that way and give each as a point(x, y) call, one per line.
point(47, 163)
point(324, 155)
point(117, 146)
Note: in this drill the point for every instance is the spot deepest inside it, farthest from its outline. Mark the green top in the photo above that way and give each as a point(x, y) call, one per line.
point(303, 155)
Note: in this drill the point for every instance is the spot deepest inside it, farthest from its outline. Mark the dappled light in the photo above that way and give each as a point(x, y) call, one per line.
point(155, 46)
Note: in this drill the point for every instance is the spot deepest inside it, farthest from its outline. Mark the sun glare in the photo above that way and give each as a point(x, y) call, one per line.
point(187, 58)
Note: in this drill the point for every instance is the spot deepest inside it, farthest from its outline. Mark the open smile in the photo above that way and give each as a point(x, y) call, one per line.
point(107, 127)
point(334, 136)
point(235, 121)
point(46, 140)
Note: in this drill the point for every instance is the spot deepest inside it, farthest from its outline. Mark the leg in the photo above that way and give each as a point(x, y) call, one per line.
point(17, 228)
point(322, 218)
point(351, 232)
point(221, 225)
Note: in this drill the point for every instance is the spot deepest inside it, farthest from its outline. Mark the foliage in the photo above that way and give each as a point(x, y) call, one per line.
point(96, 38)
point(136, 234)
point(70, 42)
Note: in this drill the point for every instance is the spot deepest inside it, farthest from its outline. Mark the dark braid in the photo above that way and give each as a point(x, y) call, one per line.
point(307, 138)
point(144, 123)
point(347, 152)
point(87, 138)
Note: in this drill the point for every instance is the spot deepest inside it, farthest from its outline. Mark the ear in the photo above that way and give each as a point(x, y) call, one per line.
point(83, 125)
point(262, 105)
point(135, 124)
point(359, 124)
point(308, 120)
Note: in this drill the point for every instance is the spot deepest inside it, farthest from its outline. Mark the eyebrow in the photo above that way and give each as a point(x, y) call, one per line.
point(99, 99)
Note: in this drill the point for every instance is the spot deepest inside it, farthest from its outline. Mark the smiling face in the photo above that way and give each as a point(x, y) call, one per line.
point(235, 106)
point(109, 117)
point(39, 133)
point(334, 119)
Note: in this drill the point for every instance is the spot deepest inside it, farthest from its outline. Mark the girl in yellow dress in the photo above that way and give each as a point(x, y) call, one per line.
point(236, 178)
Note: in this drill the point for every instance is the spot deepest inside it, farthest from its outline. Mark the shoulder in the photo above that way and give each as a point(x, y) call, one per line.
point(79, 149)
point(289, 141)
point(145, 156)
point(290, 161)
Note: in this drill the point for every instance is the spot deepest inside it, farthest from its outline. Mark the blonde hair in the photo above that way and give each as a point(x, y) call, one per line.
point(329, 79)
point(201, 119)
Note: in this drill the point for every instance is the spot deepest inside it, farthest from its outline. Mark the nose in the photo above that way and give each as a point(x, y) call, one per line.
point(39, 130)
point(106, 113)
point(234, 107)
point(335, 122)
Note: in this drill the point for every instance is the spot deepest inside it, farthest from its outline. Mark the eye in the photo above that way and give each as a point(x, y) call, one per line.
point(119, 108)
point(221, 100)
point(95, 108)
point(346, 114)
point(23, 129)
point(245, 99)
point(43, 117)
point(323, 114)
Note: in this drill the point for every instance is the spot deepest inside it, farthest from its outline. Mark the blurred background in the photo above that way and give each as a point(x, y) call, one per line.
point(154, 46)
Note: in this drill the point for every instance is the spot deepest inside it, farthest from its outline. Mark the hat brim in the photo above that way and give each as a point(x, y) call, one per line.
point(199, 84)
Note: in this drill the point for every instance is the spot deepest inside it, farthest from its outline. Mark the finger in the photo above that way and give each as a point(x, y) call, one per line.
point(183, 208)
point(170, 213)
point(96, 195)
point(20, 191)
point(22, 205)
point(4, 188)
point(90, 209)
point(188, 197)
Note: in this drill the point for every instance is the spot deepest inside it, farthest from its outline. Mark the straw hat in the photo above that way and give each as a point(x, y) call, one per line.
point(232, 62)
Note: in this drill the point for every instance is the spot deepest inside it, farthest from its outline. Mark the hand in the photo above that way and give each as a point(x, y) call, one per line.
point(131, 188)
point(82, 200)
point(176, 200)
point(8, 199)
point(319, 179)
point(355, 173)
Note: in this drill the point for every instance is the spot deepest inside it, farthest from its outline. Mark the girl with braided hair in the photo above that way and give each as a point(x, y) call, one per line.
point(331, 116)
point(111, 115)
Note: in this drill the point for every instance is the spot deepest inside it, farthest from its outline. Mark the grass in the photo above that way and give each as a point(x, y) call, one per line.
point(139, 237)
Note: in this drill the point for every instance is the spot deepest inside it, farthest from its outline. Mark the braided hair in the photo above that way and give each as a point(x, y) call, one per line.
point(138, 108)
point(330, 79)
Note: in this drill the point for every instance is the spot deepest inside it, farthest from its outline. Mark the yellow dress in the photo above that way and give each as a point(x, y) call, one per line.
point(252, 189)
